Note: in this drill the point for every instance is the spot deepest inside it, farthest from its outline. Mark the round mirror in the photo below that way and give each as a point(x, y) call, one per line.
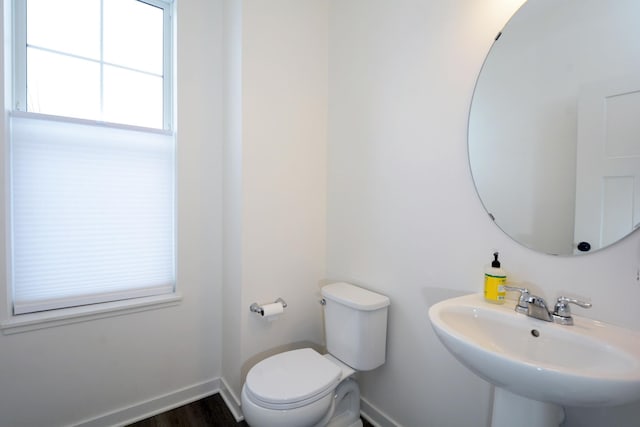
point(554, 126)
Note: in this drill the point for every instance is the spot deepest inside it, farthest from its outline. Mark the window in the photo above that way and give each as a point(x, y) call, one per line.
point(105, 60)
point(92, 153)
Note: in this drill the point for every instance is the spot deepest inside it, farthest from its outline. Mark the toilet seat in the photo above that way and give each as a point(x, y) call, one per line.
point(292, 379)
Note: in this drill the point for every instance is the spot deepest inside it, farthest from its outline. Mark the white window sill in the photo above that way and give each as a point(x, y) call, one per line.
point(50, 319)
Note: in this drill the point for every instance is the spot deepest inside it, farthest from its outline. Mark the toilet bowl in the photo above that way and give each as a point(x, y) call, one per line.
point(302, 388)
point(298, 388)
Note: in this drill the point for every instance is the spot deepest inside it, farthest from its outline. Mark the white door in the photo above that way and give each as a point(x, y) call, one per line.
point(608, 162)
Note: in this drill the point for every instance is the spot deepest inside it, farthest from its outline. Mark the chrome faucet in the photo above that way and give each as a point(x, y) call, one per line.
point(562, 311)
point(536, 307)
point(523, 301)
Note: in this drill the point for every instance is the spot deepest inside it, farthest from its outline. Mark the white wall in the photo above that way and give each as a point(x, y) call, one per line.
point(277, 177)
point(403, 216)
point(66, 374)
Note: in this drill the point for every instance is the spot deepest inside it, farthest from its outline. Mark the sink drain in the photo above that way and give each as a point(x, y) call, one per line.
point(535, 333)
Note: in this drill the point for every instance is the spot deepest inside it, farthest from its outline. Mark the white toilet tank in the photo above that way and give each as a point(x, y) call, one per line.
point(355, 322)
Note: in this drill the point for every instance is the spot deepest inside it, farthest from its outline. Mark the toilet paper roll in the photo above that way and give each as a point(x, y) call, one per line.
point(271, 310)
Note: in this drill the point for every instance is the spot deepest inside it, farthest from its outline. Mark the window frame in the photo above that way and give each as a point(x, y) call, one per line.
point(19, 60)
point(14, 65)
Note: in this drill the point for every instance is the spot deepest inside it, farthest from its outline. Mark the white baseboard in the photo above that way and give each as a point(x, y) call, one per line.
point(375, 416)
point(140, 411)
point(232, 401)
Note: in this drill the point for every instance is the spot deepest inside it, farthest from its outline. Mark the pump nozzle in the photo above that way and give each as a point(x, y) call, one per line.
point(495, 263)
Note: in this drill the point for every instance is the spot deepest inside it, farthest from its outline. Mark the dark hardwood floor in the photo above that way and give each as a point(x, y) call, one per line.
point(210, 411)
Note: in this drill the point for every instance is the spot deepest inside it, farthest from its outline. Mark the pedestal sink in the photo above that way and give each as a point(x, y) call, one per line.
point(536, 366)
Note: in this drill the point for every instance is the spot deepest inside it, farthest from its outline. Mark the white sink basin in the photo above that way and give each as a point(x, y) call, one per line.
point(588, 364)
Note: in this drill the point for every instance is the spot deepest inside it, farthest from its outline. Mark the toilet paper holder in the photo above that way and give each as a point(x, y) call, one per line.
point(257, 308)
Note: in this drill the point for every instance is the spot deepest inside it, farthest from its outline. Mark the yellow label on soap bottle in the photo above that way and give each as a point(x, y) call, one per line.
point(494, 288)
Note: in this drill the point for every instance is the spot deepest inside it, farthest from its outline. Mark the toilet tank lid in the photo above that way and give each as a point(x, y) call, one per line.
point(355, 296)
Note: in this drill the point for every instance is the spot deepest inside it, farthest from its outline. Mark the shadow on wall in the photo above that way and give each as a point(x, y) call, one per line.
point(433, 296)
point(320, 348)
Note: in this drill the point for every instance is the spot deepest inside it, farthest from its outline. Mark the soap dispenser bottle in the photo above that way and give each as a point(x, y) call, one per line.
point(494, 280)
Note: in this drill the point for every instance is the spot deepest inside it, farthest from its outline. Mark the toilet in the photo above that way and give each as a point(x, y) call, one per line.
point(302, 388)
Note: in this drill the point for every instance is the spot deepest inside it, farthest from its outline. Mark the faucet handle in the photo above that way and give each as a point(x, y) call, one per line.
point(523, 301)
point(562, 310)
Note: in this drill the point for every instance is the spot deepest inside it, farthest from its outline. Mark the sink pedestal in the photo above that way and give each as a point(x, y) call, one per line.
point(510, 409)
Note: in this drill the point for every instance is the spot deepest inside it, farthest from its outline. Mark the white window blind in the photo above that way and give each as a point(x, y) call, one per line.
point(92, 213)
